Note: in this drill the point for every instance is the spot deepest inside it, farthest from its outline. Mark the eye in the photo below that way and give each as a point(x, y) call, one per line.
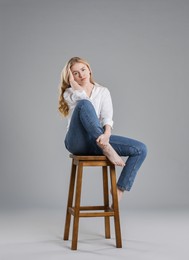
point(83, 69)
point(75, 73)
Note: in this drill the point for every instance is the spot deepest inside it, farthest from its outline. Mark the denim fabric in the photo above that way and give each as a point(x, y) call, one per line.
point(81, 138)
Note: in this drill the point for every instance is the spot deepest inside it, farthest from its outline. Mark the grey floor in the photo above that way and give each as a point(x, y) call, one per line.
point(146, 234)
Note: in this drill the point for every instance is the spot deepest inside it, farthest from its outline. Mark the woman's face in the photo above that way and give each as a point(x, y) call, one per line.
point(81, 73)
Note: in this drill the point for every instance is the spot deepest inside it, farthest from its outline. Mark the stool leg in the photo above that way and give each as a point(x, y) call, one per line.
point(70, 201)
point(77, 207)
point(115, 207)
point(106, 201)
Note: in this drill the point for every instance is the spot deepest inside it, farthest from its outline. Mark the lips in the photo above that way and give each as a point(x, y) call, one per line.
point(83, 79)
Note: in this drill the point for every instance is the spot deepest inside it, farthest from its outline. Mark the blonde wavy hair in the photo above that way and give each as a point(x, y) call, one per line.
point(64, 83)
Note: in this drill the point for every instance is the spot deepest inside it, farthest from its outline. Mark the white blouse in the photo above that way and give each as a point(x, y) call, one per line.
point(100, 98)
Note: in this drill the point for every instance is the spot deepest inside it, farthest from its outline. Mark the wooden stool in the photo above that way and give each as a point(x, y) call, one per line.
point(78, 162)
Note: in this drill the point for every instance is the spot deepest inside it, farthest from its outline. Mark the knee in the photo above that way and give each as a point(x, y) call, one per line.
point(143, 150)
point(83, 102)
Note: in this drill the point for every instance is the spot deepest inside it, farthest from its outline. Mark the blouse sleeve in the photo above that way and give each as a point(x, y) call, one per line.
point(106, 113)
point(73, 96)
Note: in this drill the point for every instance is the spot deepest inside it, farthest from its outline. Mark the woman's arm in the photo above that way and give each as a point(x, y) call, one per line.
point(106, 118)
point(103, 139)
point(106, 112)
point(107, 130)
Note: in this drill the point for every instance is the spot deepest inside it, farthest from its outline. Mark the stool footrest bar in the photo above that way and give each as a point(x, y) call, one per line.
point(107, 213)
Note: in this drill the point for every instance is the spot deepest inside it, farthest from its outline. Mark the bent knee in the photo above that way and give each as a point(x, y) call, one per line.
point(143, 150)
point(83, 102)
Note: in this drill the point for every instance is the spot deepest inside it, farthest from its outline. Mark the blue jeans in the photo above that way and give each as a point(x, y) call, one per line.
point(81, 138)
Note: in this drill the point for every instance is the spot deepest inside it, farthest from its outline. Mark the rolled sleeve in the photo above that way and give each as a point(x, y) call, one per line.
point(106, 114)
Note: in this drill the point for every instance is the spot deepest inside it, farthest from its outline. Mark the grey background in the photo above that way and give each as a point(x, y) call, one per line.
point(136, 48)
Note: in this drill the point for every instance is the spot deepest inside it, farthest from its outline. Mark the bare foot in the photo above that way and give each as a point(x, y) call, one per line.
point(109, 152)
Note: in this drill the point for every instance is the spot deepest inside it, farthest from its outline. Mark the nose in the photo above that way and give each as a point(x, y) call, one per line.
point(81, 75)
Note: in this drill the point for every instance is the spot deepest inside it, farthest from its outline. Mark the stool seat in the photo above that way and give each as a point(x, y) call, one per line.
point(89, 157)
point(76, 210)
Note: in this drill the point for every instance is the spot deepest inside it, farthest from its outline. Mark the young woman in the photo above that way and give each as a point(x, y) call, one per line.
point(88, 107)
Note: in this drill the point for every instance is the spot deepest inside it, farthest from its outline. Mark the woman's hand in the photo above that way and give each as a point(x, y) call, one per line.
point(71, 77)
point(103, 140)
point(72, 82)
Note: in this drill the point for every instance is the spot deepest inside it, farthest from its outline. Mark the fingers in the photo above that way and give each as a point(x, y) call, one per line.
point(71, 78)
point(97, 140)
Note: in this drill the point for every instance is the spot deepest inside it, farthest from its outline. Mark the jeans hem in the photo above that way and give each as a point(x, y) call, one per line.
point(122, 188)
